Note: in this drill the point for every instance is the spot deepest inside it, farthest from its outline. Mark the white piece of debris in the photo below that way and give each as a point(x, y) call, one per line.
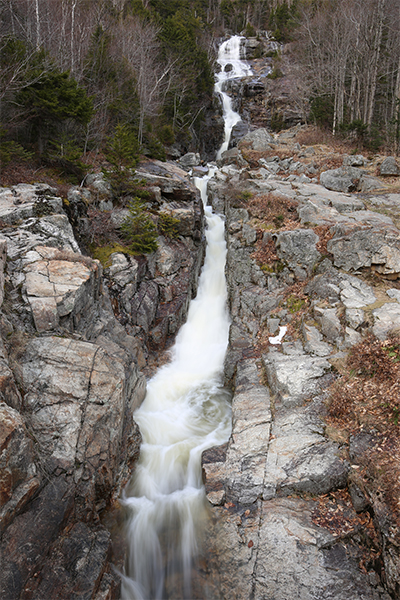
point(278, 338)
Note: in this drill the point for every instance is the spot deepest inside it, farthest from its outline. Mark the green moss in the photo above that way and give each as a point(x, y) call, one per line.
point(267, 268)
point(294, 304)
point(103, 253)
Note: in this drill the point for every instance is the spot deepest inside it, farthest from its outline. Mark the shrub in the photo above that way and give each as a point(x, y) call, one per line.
point(168, 226)
point(13, 151)
point(122, 153)
point(138, 229)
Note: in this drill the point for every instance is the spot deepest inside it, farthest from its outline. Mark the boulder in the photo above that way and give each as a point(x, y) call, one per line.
point(189, 160)
point(344, 179)
point(389, 167)
point(98, 185)
point(356, 245)
point(298, 249)
point(330, 323)
point(386, 319)
point(355, 293)
point(258, 140)
point(354, 160)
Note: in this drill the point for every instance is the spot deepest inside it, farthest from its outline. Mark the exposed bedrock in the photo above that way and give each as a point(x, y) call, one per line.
point(270, 483)
point(73, 342)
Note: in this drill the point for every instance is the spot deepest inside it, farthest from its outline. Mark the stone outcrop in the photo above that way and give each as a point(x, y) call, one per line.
point(73, 343)
point(348, 179)
point(389, 167)
point(281, 464)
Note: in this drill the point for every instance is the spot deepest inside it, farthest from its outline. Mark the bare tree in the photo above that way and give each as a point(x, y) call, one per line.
point(142, 51)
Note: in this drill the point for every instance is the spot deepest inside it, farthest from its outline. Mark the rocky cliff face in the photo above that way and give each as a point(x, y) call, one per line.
point(291, 514)
point(73, 341)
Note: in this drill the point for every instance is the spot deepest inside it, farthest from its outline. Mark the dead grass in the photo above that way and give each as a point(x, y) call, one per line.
point(102, 229)
point(367, 397)
point(275, 211)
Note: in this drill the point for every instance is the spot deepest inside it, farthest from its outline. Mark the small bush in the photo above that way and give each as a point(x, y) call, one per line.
point(12, 151)
point(122, 153)
point(250, 31)
point(168, 226)
point(138, 229)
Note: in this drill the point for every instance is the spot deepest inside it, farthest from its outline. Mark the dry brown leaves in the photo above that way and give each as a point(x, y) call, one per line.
point(265, 253)
point(102, 229)
point(334, 512)
point(367, 397)
point(324, 234)
point(274, 210)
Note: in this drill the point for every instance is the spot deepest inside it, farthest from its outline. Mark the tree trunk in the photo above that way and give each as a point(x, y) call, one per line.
point(374, 65)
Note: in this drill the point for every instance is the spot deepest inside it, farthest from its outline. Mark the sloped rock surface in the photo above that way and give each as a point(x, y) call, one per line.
point(267, 482)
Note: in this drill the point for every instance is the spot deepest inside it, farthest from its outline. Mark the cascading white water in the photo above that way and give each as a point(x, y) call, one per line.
point(186, 410)
point(229, 58)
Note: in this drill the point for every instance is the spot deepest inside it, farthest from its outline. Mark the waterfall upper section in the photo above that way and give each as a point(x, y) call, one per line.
point(232, 67)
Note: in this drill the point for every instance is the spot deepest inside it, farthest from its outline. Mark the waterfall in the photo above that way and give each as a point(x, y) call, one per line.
point(186, 410)
point(232, 67)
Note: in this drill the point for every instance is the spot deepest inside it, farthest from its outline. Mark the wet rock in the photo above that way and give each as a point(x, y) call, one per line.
point(389, 167)
point(189, 160)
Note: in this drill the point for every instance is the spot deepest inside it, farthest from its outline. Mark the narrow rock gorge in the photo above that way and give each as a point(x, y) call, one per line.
point(313, 268)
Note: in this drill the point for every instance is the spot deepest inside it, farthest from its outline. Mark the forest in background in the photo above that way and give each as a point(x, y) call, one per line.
point(83, 77)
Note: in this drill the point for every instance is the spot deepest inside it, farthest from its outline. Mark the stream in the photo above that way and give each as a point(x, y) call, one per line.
point(186, 410)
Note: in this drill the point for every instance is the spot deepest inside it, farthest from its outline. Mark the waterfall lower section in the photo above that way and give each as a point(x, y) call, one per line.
point(186, 411)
